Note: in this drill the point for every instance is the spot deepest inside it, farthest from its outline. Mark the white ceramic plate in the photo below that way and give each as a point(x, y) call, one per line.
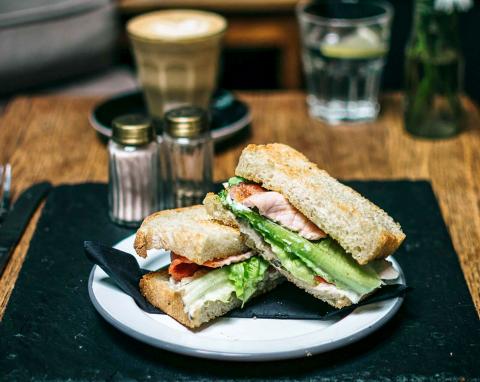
point(239, 339)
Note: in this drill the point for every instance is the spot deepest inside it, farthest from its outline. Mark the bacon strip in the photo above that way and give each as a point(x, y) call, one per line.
point(181, 267)
point(217, 263)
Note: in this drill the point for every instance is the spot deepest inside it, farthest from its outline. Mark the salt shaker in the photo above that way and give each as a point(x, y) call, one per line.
point(189, 151)
point(134, 171)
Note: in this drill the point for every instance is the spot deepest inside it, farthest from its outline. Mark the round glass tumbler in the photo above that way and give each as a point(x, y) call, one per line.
point(344, 48)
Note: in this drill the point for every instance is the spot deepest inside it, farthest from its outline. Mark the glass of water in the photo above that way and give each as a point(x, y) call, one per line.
point(344, 47)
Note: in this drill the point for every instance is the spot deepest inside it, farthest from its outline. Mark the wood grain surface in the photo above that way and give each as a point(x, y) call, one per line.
point(49, 138)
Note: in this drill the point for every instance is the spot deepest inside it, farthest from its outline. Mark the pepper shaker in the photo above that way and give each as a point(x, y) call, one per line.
point(134, 171)
point(189, 152)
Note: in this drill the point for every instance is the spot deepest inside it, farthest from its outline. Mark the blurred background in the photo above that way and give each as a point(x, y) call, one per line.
point(81, 47)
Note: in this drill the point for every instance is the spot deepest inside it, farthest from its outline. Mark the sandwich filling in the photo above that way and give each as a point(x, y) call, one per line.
point(302, 248)
point(237, 276)
point(181, 267)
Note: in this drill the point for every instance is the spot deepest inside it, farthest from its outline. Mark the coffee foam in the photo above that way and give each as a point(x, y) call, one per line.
point(181, 28)
point(176, 25)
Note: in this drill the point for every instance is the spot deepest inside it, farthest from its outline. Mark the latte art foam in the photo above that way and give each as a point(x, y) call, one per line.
point(183, 28)
point(176, 25)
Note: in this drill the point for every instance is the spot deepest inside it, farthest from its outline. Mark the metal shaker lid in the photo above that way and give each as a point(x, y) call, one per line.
point(132, 130)
point(186, 122)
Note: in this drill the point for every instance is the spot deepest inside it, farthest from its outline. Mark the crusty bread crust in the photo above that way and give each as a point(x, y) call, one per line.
point(189, 232)
point(154, 286)
point(157, 290)
point(360, 227)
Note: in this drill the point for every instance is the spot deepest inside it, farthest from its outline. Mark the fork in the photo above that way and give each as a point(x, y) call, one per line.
point(5, 185)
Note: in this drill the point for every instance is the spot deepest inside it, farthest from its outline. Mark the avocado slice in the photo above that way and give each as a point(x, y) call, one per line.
point(293, 265)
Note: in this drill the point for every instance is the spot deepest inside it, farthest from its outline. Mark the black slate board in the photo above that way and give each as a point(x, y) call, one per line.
point(51, 331)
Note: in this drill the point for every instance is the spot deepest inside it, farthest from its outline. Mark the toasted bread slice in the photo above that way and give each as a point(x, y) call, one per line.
point(359, 226)
point(189, 232)
point(157, 290)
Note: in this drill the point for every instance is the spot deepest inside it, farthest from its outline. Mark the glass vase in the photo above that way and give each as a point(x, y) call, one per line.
point(433, 73)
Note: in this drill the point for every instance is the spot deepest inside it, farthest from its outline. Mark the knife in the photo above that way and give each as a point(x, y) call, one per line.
point(17, 219)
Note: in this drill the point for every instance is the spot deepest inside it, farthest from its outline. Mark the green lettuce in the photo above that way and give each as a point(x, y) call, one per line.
point(233, 181)
point(216, 281)
point(219, 284)
point(246, 276)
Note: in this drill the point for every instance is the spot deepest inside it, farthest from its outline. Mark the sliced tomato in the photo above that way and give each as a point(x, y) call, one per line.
point(320, 279)
point(243, 190)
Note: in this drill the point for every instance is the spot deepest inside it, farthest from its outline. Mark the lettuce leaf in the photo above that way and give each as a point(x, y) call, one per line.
point(216, 281)
point(246, 276)
point(233, 181)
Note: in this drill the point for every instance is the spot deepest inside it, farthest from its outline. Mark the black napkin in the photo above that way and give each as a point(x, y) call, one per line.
point(285, 302)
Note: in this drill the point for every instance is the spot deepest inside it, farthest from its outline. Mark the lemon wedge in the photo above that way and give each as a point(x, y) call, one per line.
point(362, 44)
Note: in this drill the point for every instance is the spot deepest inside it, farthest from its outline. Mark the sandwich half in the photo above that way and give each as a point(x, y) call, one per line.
point(211, 272)
point(322, 235)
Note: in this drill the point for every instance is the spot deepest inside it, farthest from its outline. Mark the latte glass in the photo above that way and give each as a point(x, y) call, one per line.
point(177, 54)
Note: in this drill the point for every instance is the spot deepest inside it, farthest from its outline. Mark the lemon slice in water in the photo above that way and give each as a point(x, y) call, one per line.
point(362, 44)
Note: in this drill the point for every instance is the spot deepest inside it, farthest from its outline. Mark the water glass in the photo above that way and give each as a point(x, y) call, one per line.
point(344, 47)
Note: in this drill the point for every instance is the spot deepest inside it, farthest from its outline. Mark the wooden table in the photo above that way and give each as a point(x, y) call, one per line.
point(50, 138)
